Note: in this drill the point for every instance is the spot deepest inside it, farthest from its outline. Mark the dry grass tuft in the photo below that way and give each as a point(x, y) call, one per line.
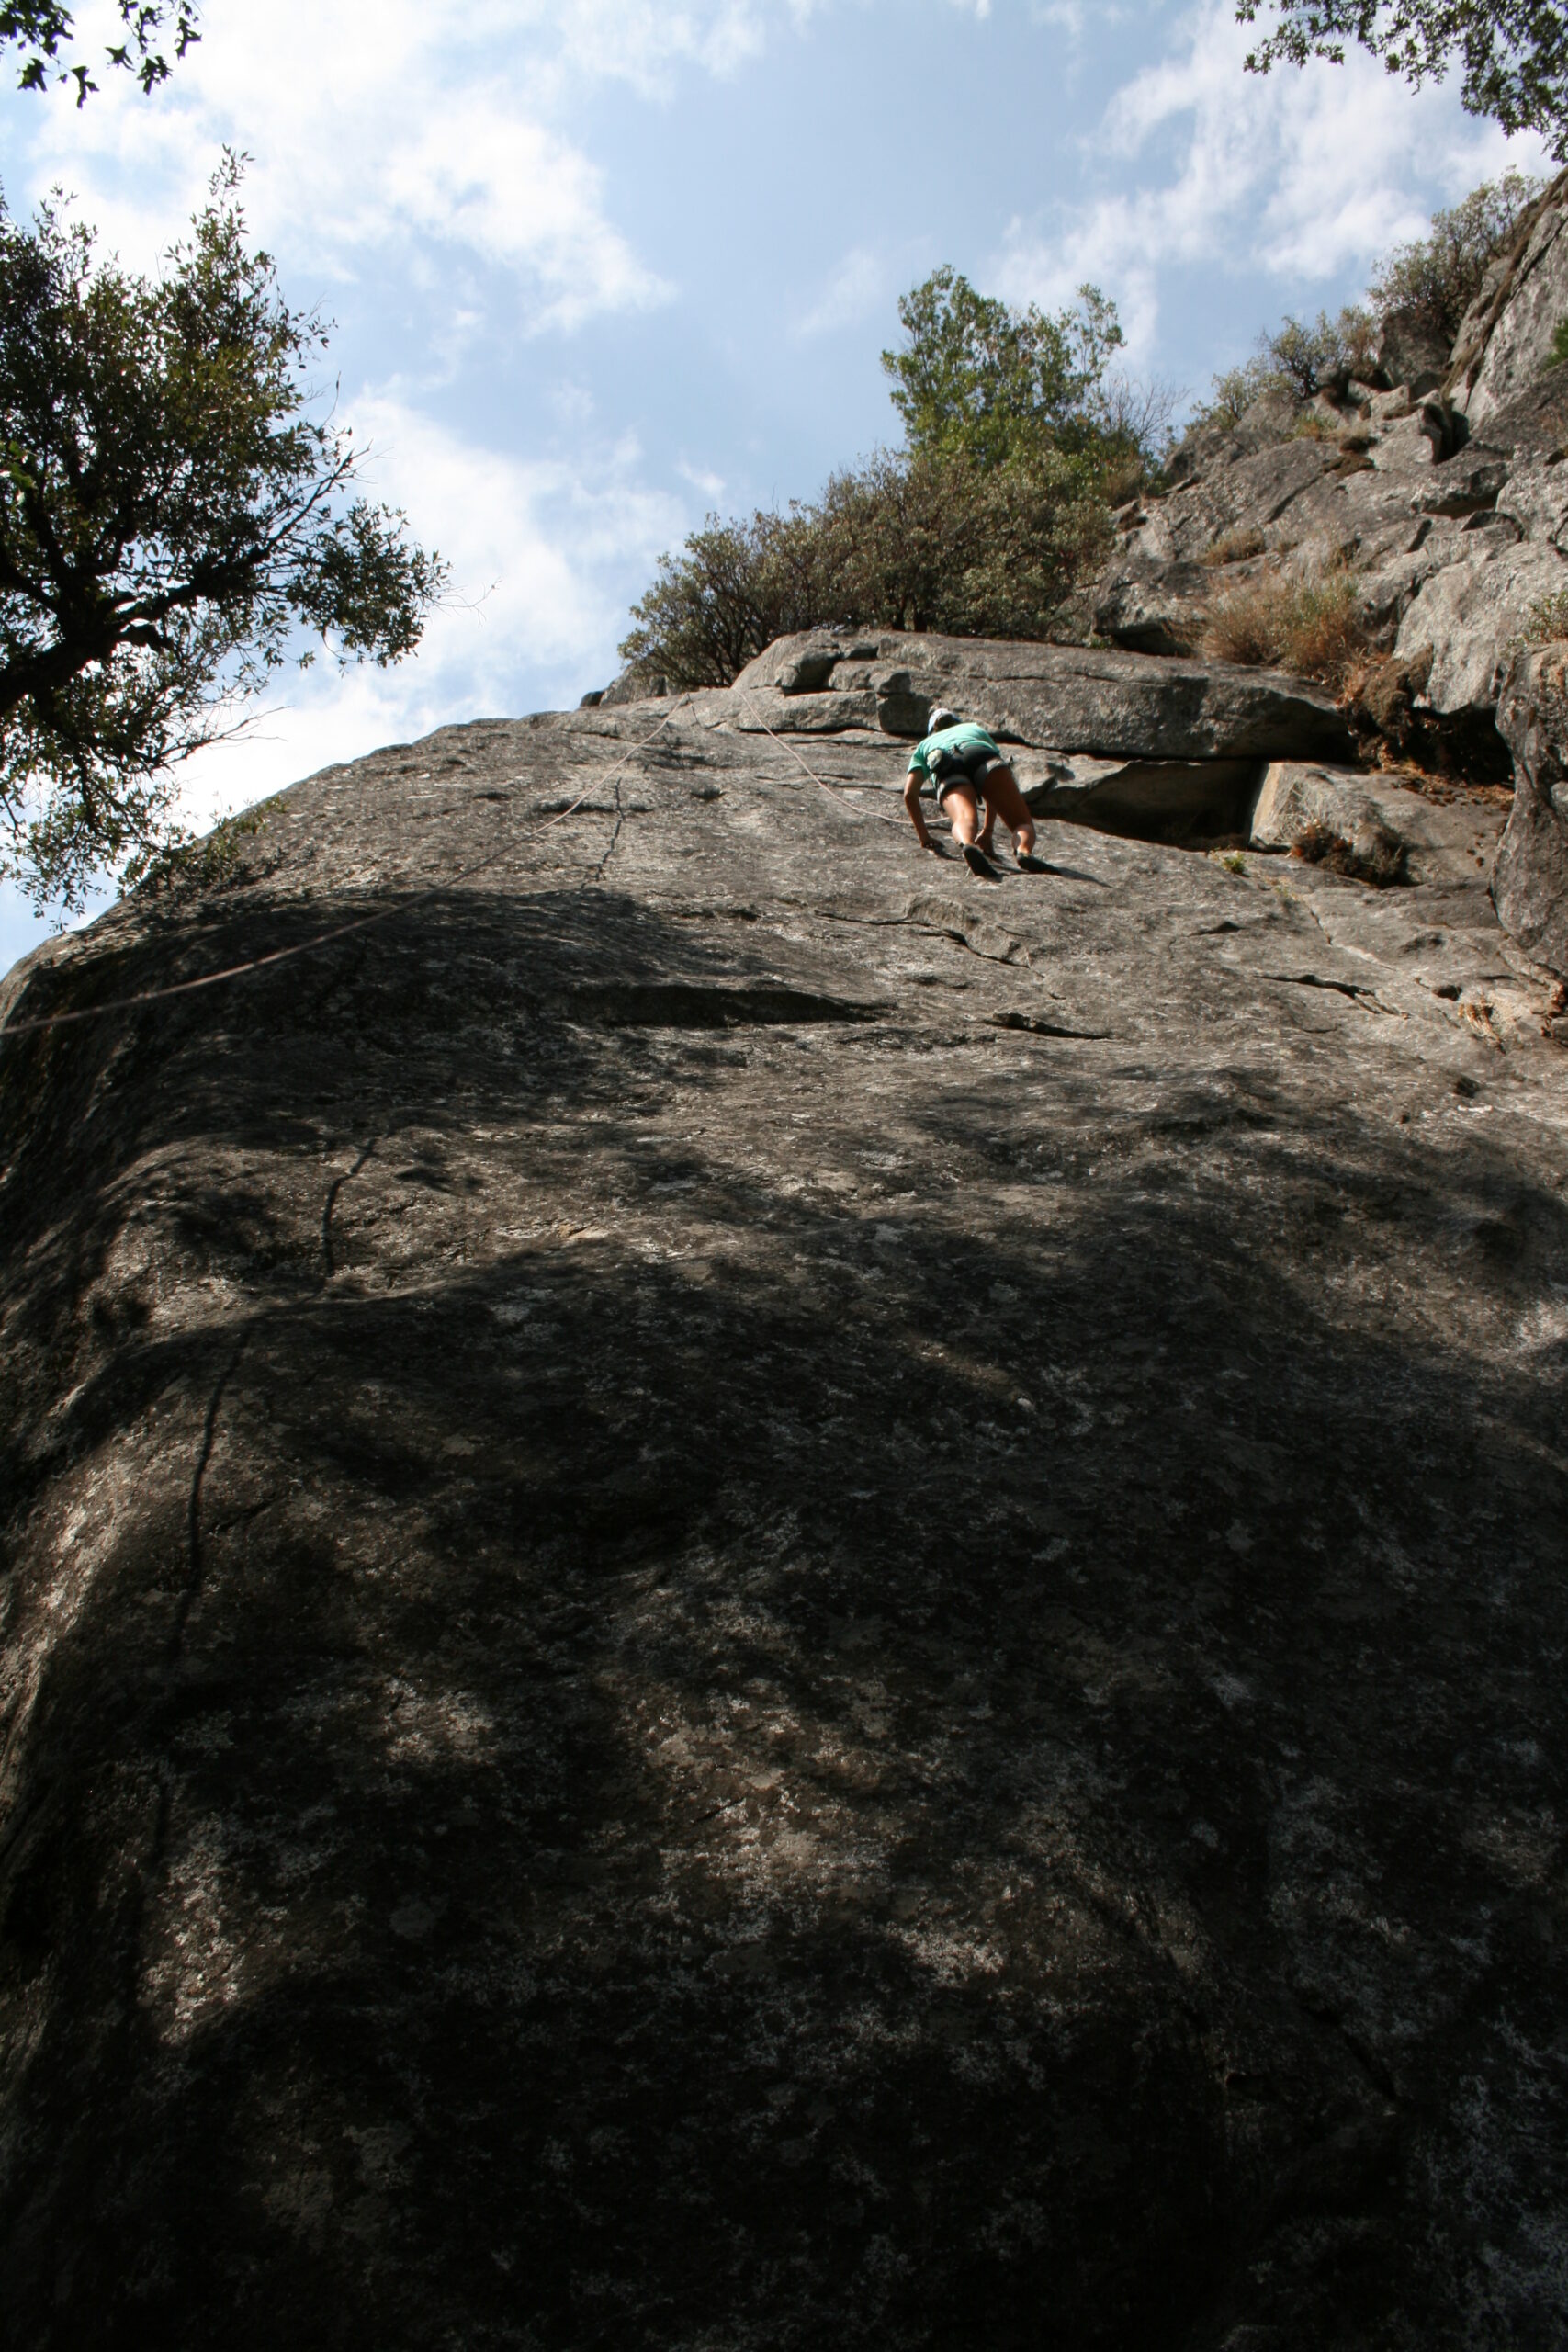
point(1311, 627)
point(1321, 845)
point(1235, 546)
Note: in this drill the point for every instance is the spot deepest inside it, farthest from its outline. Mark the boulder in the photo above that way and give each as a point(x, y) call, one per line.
point(633, 686)
point(1472, 614)
point(1164, 801)
point(1411, 353)
point(1529, 883)
point(1216, 443)
point(1443, 494)
point(1146, 607)
point(1070, 697)
point(1327, 814)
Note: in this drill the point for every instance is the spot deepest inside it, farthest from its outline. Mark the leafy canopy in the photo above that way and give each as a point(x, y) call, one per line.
point(1513, 54)
point(977, 378)
point(42, 28)
point(984, 524)
point(170, 516)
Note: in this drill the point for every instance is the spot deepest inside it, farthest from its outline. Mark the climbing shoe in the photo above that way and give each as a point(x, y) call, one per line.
point(975, 858)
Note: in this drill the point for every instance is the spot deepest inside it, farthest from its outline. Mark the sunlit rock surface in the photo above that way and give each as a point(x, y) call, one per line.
point(757, 1597)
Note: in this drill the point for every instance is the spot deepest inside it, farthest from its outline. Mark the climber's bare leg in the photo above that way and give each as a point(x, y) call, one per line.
point(963, 813)
point(1004, 800)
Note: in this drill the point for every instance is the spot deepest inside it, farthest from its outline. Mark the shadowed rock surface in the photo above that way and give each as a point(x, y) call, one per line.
point(757, 1597)
point(1532, 886)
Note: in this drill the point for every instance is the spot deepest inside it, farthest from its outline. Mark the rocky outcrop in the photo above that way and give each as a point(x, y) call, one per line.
point(1505, 343)
point(1063, 697)
point(1317, 811)
point(1168, 801)
point(1530, 885)
point(754, 1595)
point(1440, 488)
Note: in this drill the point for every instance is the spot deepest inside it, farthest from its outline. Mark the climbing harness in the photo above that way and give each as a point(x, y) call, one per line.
point(340, 930)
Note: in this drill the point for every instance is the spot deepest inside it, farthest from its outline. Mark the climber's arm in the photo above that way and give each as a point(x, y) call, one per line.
point(912, 782)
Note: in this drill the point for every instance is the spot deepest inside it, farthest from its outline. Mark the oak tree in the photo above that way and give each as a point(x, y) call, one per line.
point(1512, 54)
point(42, 30)
point(174, 515)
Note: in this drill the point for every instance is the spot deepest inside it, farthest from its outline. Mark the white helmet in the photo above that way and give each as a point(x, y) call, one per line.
point(940, 717)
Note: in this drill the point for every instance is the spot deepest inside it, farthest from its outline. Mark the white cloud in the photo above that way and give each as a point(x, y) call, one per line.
point(1301, 175)
point(428, 125)
point(710, 484)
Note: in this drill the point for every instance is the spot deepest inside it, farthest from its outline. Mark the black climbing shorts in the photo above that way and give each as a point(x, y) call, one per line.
point(972, 766)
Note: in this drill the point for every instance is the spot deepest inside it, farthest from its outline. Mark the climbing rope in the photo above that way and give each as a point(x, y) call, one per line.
point(880, 815)
point(340, 930)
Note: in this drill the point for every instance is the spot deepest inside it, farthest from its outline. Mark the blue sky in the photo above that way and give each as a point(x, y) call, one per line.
point(598, 265)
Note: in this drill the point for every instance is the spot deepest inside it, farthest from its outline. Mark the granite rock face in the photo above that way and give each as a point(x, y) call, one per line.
point(1299, 801)
point(1530, 885)
point(1505, 343)
point(1062, 697)
point(754, 1596)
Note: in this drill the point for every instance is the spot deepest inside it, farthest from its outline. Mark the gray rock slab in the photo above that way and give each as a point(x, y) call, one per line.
point(755, 1596)
point(1075, 698)
point(1471, 615)
point(1531, 883)
point(1501, 350)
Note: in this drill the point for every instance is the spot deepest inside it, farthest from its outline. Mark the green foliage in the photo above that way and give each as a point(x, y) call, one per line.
point(41, 29)
point(170, 517)
point(1438, 276)
point(918, 539)
point(1559, 346)
point(184, 868)
point(1017, 440)
point(1296, 359)
point(978, 380)
point(1513, 54)
point(734, 588)
point(1326, 356)
point(1234, 392)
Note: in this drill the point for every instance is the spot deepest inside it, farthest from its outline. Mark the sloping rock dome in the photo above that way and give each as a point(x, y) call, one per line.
point(757, 1596)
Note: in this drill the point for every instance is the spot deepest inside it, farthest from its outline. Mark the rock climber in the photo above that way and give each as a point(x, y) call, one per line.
point(965, 767)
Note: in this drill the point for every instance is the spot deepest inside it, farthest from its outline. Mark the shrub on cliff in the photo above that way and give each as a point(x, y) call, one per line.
point(170, 517)
point(919, 541)
point(1311, 627)
point(1432, 280)
point(1438, 276)
point(1018, 443)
